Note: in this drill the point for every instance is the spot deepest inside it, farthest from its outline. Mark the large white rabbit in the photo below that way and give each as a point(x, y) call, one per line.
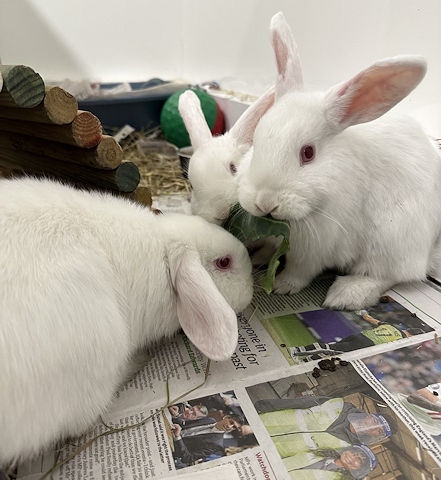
point(86, 281)
point(215, 163)
point(362, 194)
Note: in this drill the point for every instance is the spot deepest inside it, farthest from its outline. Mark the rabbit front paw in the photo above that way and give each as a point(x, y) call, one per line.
point(286, 283)
point(353, 292)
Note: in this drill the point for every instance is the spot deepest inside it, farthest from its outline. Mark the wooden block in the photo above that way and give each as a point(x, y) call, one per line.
point(58, 107)
point(22, 86)
point(107, 155)
point(84, 131)
point(61, 107)
point(124, 178)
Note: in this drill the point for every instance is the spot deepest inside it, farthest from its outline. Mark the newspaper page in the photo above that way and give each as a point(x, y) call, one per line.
point(218, 424)
point(328, 424)
point(335, 424)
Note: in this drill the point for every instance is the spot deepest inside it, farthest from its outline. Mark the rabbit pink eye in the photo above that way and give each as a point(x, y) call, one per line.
point(233, 169)
point(307, 154)
point(223, 263)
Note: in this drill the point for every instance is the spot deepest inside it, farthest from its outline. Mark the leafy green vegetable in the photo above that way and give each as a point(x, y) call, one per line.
point(246, 227)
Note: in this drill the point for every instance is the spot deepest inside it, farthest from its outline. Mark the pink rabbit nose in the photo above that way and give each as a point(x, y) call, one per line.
point(266, 207)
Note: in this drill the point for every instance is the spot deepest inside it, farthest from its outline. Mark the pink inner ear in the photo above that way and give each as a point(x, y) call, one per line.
point(370, 94)
point(281, 54)
point(375, 90)
point(290, 76)
point(243, 130)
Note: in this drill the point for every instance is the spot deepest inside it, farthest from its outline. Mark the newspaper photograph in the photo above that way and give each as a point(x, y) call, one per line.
point(334, 425)
point(305, 332)
point(411, 379)
point(207, 429)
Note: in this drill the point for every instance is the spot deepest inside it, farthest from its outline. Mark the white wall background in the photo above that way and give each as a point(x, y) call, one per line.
point(227, 41)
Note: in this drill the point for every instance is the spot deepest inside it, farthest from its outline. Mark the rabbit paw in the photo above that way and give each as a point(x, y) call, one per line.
point(286, 283)
point(353, 292)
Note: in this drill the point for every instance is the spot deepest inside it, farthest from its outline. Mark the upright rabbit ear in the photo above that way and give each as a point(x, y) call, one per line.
point(290, 76)
point(190, 109)
point(204, 314)
point(243, 130)
point(374, 91)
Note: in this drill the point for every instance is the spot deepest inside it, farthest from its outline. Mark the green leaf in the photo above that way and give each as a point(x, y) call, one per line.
point(246, 227)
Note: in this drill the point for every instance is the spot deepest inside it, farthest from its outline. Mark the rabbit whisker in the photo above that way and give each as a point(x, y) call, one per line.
point(329, 217)
point(312, 230)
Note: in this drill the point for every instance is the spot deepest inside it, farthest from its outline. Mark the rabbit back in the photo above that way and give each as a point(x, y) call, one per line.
point(64, 329)
point(87, 280)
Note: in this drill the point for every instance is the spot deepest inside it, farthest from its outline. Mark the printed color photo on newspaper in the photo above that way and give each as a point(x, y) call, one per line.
point(315, 334)
point(336, 426)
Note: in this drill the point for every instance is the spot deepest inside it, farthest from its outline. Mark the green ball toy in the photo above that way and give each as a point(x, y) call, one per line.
point(172, 125)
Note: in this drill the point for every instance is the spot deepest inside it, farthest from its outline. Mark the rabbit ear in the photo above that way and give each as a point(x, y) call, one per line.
point(374, 91)
point(191, 112)
point(204, 314)
point(243, 130)
point(290, 76)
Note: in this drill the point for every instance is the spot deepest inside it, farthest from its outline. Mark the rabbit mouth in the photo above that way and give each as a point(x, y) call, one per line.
point(295, 208)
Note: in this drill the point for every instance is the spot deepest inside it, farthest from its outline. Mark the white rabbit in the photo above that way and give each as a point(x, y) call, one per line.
point(365, 199)
point(215, 163)
point(87, 280)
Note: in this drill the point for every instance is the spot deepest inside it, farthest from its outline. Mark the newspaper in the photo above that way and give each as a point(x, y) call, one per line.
point(308, 393)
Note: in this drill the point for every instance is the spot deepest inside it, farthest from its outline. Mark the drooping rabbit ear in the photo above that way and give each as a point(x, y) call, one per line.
point(374, 90)
point(191, 112)
point(204, 314)
point(243, 130)
point(289, 68)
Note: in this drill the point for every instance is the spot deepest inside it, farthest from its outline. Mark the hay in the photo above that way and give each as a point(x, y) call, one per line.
point(157, 161)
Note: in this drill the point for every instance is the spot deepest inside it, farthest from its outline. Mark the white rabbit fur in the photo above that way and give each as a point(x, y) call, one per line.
point(216, 162)
point(88, 279)
point(369, 202)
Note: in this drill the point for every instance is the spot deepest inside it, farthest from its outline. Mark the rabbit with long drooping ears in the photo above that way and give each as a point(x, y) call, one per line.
point(89, 279)
point(362, 193)
point(215, 164)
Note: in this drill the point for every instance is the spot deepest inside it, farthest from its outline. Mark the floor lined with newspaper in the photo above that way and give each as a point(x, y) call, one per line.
point(308, 394)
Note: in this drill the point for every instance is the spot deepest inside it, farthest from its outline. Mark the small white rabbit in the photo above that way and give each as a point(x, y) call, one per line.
point(86, 281)
point(215, 163)
point(362, 194)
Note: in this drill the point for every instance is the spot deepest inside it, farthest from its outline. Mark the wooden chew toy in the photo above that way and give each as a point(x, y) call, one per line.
point(107, 155)
point(43, 133)
point(22, 87)
point(84, 131)
point(58, 107)
point(125, 178)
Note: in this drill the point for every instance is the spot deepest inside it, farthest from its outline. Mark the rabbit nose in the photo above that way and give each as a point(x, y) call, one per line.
point(266, 207)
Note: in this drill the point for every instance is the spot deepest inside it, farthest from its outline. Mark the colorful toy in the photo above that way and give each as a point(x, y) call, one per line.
point(173, 126)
